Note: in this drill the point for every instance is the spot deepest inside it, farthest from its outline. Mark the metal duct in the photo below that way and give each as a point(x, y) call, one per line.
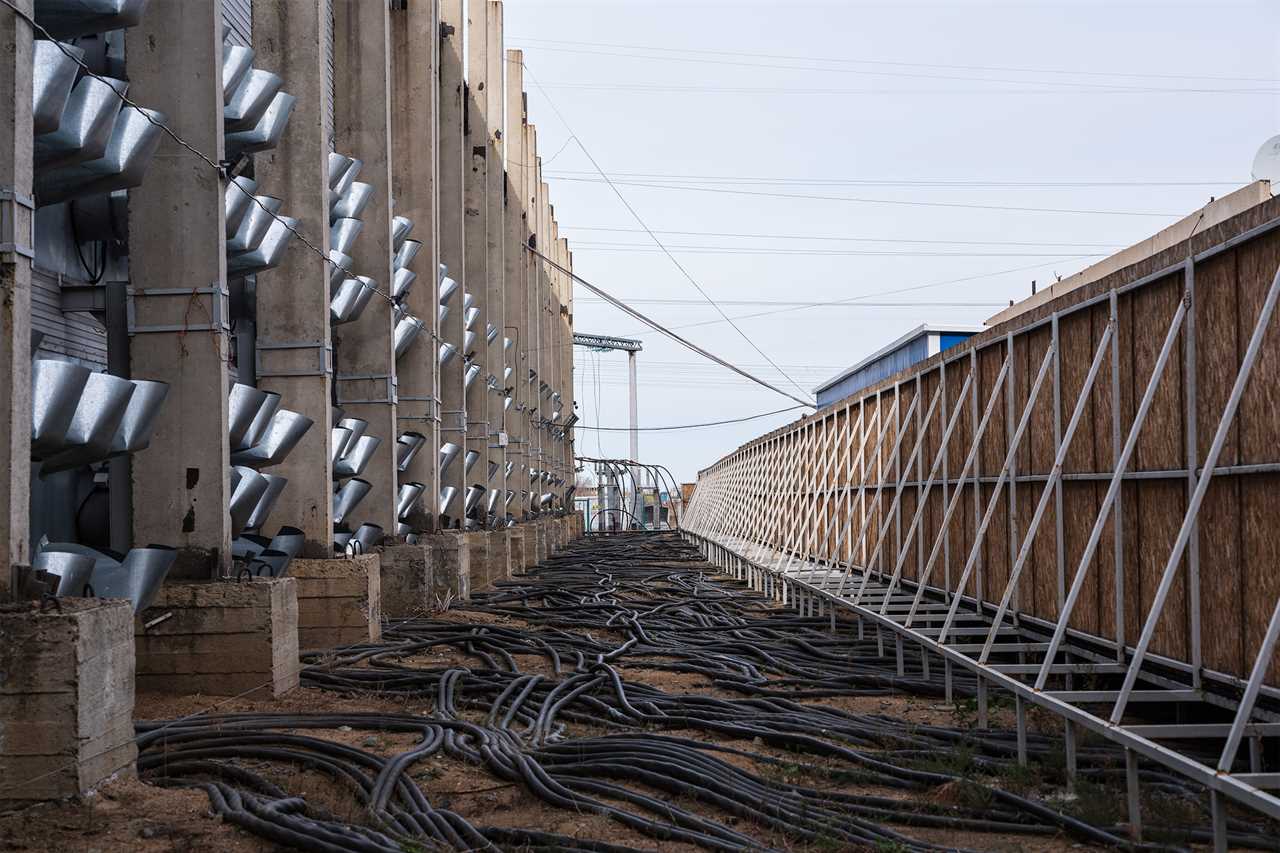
point(492, 502)
point(350, 300)
point(468, 342)
point(448, 287)
point(448, 452)
point(338, 437)
point(472, 372)
point(447, 495)
point(369, 536)
point(510, 466)
point(474, 493)
point(338, 165)
point(51, 80)
point(102, 217)
point(353, 202)
point(269, 252)
point(85, 128)
point(407, 447)
point(236, 201)
point(243, 404)
point(400, 228)
point(402, 282)
point(98, 415)
point(270, 563)
point(247, 489)
point(510, 497)
point(493, 469)
point(139, 421)
point(340, 540)
point(348, 497)
point(341, 267)
point(285, 431)
point(72, 570)
point(469, 460)
point(275, 485)
point(348, 178)
point(356, 428)
point(288, 540)
point(138, 578)
point(406, 332)
point(507, 344)
point(236, 61)
point(249, 545)
point(442, 313)
point(406, 253)
point(469, 317)
point(66, 18)
point(253, 227)
point(343, 233)
point(506, 373)
point(133, 141)
point(357, 458)
point(250, 100)
point(261, 421)
point(468, 301)
point(56, 387)
point(407, 497)
point(266, 134)
point(446, 353)
point(490, 332)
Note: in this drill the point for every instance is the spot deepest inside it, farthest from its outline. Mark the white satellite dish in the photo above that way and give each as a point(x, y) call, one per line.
point(1266, 165)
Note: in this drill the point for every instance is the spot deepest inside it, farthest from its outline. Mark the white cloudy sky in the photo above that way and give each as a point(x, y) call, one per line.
point(812, 152)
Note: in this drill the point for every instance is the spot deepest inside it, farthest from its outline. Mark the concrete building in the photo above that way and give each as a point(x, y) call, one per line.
point(915, 346)
point(296, 312)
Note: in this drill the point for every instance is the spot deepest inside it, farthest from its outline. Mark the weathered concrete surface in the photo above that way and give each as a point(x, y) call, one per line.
point(222, 639)
point(339, 601)
point(450, 568)
point(516, 542)
point(406, 580)
point(66, 698)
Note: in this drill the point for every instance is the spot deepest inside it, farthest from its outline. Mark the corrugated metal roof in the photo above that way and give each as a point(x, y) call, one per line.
point(918, 331)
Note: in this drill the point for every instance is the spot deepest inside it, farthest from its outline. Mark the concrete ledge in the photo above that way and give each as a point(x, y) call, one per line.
point(515, 559)
point(450, 567)
point(495, 562)
point(66, 698)
point(339, 601)
point(220, 639)
point(406, 581)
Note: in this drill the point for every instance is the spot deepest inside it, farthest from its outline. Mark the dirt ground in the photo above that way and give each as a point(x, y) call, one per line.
point(129, 815)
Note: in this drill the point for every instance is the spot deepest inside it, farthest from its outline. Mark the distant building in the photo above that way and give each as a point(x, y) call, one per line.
point(915, 346)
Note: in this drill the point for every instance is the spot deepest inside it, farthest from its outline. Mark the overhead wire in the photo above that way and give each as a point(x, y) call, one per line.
point(640, 220)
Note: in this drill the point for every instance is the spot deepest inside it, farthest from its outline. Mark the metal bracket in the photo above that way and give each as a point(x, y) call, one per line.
point(433, 409)
point(9, 245)
point(461, 419)
point(389, 399)
point(219, 311)
point(324, 357)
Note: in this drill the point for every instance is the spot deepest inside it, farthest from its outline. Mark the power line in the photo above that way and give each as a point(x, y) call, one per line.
point(658, 327)
point(967, 183)
point(955, 67)
point(842, 238)
point(858, 200)
point(654, 237)
point(808, 303)
point(1103, 87)
point(639, 248)
point(694, 426)
point(665, 89)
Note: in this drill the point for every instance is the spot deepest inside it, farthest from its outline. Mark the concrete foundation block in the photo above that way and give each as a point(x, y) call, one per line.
point(539, 529)
point(515, 550)
point(339, 601)
point(406, 581)
point(66, 698)
point(66, 694)
point(450, 567)
point(220, 639)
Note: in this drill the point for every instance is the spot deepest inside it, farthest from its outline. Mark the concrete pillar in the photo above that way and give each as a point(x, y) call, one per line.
point(453, 421)
point(477, 237)
point(178, 274)
point(516, 284)
point(339, 601)
point(415, 41)
point(494, 107)
point(364, 349)
point(451, 568)
point(16, 251)
point(221, 639)
point(66, 698)
point(536, 410)
point(515, 550)
point(294, 353)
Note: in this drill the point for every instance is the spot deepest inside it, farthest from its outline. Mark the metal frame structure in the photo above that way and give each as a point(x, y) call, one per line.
point(830, 514)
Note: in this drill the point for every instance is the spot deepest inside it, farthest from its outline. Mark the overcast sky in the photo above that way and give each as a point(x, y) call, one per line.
point(711, 117)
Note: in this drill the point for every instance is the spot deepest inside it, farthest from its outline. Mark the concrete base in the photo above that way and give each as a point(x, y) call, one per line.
point(222, 639)
point(450, 568)
point(339, 601)
point(539, 529)
point(515, 559)
point(66, 698)
point(406, 582)
point(490, 558)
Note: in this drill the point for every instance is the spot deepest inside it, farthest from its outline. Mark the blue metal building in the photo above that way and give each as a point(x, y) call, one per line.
point(915, 346)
